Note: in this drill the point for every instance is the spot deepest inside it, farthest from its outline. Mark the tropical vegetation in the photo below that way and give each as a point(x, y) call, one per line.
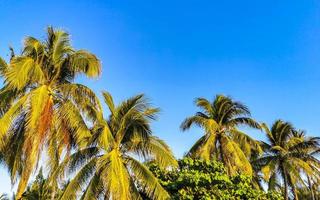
point(109, 165)
point(290, 156)
point(222, 140)
point(48, 120)
point(42, 108)
point(41, 189)
point(205, 179)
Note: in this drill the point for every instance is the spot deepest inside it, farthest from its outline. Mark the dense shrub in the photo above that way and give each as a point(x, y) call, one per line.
point(208, 180)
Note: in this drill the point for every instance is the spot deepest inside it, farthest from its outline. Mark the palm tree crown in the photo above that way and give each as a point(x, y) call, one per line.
point(287, 154)
point(44, 106)
point(222, 139)
point(108, 166)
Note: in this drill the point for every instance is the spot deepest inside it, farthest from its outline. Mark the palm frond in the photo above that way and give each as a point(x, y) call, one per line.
point(79, 180)
point(150, 184)
point(109, 101)
point(84, 62)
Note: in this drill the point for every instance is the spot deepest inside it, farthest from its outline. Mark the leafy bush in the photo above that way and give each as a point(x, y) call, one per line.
point(208, 180)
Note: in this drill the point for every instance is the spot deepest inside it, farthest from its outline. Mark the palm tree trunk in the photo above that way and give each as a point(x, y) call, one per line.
point(285, 182)
point(295, 194)
point(311, 189)
point(53, 194)
point(221, 155)
point(293, 187)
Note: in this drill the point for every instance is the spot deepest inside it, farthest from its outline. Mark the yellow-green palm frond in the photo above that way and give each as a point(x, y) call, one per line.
point(132, 119)
point(268, 167)
point(233, 156)
point(23, 71)
point(281, 132)
point(226, 109)
point(73, 163)
point(204, 148)
point(3, 66)
point(8, 118)
point(14, 141)
point(79, 92)
point(266, 129)
point(73, 120)
point(202, 121)
point(94, 189)
point(85, 62)
point(205, 105)
point(243, 121)
point(128, 107)
point(109, 101)
point(54, 153)
point(38, 119)
point(39, 101)
point(32, 154)
point(245, 142)
point(160, 152)
point(34, 48)
point(116, 178)
point(132, 125)
point(81, 178)
point(84, 99)
point(136, 103)
point(102, 136)
point(153, 149)
point(57, 46)
point(8, 97)
point(149, 183)
point(23, 182)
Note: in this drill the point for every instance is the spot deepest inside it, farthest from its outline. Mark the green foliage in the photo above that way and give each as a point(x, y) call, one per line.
point(196, 179)
point(41, 189)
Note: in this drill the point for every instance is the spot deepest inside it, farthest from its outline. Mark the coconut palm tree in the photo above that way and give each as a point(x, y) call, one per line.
point(46, 108)
point(311, 192)
point(310, 146)
point(40, 189)
point(222, 139)
point(110, 166)
point(287, 155)
point(4, 197)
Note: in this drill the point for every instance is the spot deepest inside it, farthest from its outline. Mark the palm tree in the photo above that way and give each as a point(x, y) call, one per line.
point(4, 197)
point(312, 149)
point(286, 156)
point(311, 192)
point(46, 108)
point(40, 189)
point(222, 139)
point(109, 167)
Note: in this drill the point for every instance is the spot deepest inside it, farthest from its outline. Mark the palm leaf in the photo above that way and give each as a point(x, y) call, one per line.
point(150, 184)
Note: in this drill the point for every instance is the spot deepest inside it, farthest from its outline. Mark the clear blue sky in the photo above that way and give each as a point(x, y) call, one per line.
point(263, 53)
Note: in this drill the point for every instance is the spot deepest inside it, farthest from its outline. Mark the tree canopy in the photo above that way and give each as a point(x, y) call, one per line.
point(196, 179)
